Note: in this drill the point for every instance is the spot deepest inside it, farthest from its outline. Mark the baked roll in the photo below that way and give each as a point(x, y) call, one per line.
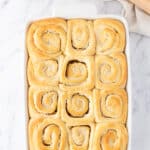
point(47, 134)
point(110, 36)
point(44, 102)
point(77, 73)
point(46, 38)
point(81, 136)
point(80, 38)
point(111, 71)
point(44, 72)
point(110, 105)
point(77, 106)
point(110, 136)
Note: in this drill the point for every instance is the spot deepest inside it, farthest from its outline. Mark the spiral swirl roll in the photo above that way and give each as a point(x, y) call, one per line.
point(77, 106)
point(47, 134)
point(110, 36)
point(81, 136)
point(76, 73)
point(44, 72)
point(80, 38)
point(110, 136)
point(111, 71)
point(44, 102)
point(46, 38)
point(110, 105)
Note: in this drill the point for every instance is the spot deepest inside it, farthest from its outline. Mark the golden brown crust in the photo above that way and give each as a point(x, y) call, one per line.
point(111, 71)
point(110, 36)
point(110, 105)
point(44, 72)
point(77, 106)
point(76, 73)
point(47, 133)
point(46, 38)
point(55, 21)
point(110, 136)
point(44, 102)
point(80, 38)
point(81, 136)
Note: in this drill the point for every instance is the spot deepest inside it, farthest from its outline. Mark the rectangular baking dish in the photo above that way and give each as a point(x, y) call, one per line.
point(128, 87)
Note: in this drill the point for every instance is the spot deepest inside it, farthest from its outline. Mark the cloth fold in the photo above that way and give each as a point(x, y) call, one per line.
point(138, 20)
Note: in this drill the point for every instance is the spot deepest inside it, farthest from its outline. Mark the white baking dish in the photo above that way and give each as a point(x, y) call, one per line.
point(70, 15)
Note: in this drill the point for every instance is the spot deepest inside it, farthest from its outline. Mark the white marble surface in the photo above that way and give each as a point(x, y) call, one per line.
point(14, 15)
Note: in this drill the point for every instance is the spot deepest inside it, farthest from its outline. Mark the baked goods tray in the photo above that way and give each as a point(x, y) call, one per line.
point(87, 16)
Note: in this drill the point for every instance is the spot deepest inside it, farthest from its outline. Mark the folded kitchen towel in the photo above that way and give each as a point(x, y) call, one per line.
point(138, 20)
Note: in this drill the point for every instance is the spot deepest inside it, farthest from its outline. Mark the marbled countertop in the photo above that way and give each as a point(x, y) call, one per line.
point(14, 15)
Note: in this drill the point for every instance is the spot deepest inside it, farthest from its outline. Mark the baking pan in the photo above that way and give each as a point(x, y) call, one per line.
point(71, 15)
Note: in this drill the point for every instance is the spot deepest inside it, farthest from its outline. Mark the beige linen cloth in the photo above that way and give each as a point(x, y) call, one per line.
point(138, 20)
